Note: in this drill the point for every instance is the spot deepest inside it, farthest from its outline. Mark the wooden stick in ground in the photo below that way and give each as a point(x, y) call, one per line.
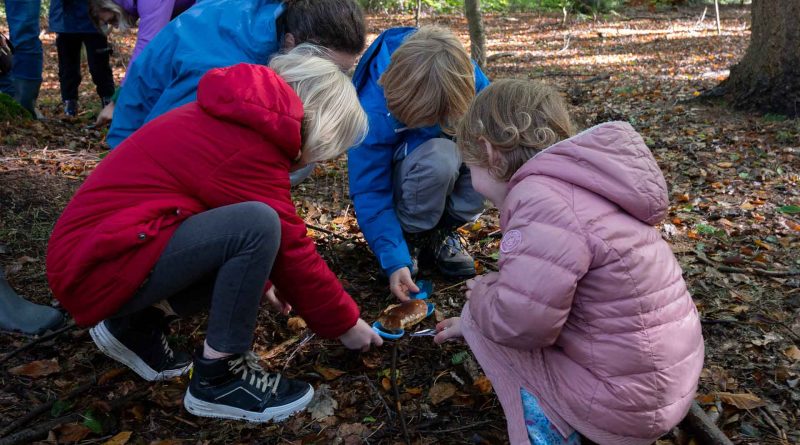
point(393, 378)
point(698, 423)
point(36, 412)
point(26, 346)
point(375, 391)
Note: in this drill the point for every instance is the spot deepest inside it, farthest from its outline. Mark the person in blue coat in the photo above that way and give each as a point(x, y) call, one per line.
point(69, 19)
point(409, 187)
point(220, 33)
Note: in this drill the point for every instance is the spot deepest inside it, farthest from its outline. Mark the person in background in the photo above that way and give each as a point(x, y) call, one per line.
point(194, 211)
point(25, 78)
point(587, 327)
point(69, 19)
point(408, 184)
point(152, 15)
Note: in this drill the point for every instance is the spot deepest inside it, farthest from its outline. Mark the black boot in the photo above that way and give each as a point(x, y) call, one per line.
point(236, 387)
point(139, 342)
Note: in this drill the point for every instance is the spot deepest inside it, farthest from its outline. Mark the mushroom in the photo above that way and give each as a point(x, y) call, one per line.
point(400, 316)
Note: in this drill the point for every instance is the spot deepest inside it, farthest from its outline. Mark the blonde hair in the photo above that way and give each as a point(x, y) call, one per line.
point(519, 118)
point(333, 119)
point(124, 21)
point(430, 79)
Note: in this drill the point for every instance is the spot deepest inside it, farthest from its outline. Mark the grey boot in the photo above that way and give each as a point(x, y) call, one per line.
point(26, 92)
point(18, 314)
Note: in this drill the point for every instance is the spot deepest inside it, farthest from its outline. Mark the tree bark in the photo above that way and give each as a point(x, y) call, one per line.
point(477, 36)
point(768, 76)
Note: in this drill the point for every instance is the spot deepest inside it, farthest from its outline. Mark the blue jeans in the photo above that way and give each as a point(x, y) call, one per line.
point(23, 25)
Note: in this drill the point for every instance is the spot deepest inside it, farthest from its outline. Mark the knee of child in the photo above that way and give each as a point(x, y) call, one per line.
point(442, 159)
point(261, 216)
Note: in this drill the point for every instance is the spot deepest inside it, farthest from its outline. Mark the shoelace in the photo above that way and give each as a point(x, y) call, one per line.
point(247, 364)
point(167, 348)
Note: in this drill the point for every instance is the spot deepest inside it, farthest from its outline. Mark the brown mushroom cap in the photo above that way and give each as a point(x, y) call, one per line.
point(400, 316)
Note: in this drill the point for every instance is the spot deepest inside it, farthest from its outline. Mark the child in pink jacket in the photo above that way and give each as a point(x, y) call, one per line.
point(587, 327)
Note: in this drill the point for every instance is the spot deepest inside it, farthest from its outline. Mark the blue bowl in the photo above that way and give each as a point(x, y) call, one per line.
point(425, 290)
point(389, 335)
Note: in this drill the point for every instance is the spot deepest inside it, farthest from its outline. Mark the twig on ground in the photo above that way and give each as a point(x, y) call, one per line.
point(328, 232)
point(459, 284)
point(30, 344)
point(460, 428)
point(393, 379)
point(754, 270)
point(703, 428)
point(377, 393)
point(297, 348)
point(36, 412)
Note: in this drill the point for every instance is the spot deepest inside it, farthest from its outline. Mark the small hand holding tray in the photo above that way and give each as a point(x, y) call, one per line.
point(406, 314)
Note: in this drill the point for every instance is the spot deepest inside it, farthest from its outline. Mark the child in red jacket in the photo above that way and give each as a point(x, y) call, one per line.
point(194, 209)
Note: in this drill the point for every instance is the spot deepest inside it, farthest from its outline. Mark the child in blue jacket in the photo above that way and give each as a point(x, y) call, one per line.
point(409, 187)
point(69, 19)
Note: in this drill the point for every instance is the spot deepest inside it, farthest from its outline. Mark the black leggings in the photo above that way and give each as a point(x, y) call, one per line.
point(222, 257)
point(98, 54)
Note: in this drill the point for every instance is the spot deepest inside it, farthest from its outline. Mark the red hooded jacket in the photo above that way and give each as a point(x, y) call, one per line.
point(235, 144)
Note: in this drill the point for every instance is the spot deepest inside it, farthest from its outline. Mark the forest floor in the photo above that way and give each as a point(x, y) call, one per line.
point(734, 224)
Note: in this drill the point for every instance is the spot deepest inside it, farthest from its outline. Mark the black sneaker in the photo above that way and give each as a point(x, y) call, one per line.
point(236, 387)
point(450, 255)
point(141, 345)
point(71, 108)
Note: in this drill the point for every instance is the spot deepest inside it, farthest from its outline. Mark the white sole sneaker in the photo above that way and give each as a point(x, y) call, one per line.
point(207, 409)
point(112, 347)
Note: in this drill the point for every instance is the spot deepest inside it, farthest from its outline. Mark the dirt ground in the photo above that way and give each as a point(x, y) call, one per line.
point(734, 225)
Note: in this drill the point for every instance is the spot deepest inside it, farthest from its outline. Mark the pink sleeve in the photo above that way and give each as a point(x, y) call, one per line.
point(543, 256)
point(153, 15)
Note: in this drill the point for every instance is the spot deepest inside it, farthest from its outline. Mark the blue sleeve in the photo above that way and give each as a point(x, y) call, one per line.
point(370, 169)
point(481, 81)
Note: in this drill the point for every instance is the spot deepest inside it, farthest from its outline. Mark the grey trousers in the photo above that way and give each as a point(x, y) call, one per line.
point(222, 258)
point(432, 183)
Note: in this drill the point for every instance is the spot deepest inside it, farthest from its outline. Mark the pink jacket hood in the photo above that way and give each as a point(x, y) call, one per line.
point(610, 160)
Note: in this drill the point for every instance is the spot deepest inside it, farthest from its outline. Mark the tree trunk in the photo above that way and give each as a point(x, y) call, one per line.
point(768, 76)
point(476, 35)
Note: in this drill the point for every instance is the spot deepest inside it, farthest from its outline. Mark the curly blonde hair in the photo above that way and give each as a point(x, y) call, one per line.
point(519, 118)
point(333, 119)
point(430, 79)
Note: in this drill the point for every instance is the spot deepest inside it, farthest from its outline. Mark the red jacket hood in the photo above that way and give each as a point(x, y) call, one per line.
point(254, 96)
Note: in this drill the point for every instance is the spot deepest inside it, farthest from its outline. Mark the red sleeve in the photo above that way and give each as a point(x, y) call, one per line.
point(300, 274)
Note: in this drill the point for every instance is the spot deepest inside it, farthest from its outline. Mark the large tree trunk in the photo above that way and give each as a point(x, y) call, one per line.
point(476, 35)
point(768, 77)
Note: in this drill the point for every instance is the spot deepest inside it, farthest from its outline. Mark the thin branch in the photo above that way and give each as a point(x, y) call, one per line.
point(460, 428)
point(328, 232)
point(753, 270)
point(36, 412)
point(397, 395)
point(30, 344)
point(375, 391)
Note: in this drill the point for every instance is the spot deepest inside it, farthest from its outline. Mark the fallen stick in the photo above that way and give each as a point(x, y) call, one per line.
point(36, 412)
point(397, 395)
point(328, 232)
point(26, 346)
point(728, 269)
point(375, 391)
point(460, 428)
point(698, 423)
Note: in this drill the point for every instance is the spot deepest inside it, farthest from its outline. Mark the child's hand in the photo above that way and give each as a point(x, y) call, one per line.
point(401, 283)
point(360, 336)
point(277, 302)
point(104, 118)
point(448, 329)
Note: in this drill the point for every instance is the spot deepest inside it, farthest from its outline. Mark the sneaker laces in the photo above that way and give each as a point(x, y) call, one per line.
point(247, 364)
point(167, 349)
point(453, 241)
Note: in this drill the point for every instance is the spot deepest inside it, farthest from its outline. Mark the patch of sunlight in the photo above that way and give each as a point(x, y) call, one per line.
point(608, 59)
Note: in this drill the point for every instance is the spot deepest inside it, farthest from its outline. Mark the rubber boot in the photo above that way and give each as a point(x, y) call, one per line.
point(26, 92)
point(19, 314)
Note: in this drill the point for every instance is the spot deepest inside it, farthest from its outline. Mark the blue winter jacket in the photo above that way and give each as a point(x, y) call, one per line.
point(70, 16)
point(370, 165)
point(211, 34)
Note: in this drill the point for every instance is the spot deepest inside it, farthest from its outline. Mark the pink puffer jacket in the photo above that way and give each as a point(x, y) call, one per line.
point(589, 311)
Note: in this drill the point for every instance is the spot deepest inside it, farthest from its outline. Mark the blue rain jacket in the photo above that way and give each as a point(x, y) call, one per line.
point(370, 164)
point(70, 16)
point(211, 34)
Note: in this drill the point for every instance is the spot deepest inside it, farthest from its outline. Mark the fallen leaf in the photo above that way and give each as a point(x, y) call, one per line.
point(791, 209)
point(329, 373)
point(386, 383)
point(483, 385)
point(71, 432)
point(16, 266)
point(110, 375)
point(441, 392)
point(323, 404)
point(414, 391)
point(725, 164)
point(39, 368)
point(120, 439)
point(741, 401)
point(296, 324)
point(793, 353)
point(167, 442)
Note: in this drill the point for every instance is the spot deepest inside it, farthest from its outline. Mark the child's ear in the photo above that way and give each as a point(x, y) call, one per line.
point(288, 42)
point(491, 153)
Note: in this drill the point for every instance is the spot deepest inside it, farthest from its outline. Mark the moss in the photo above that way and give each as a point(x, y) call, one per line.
point(10, 109)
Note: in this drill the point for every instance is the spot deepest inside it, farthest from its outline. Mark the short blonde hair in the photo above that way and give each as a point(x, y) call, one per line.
point(333, 119)
point(124, 21)
point(430, 79)
point(519, 118)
